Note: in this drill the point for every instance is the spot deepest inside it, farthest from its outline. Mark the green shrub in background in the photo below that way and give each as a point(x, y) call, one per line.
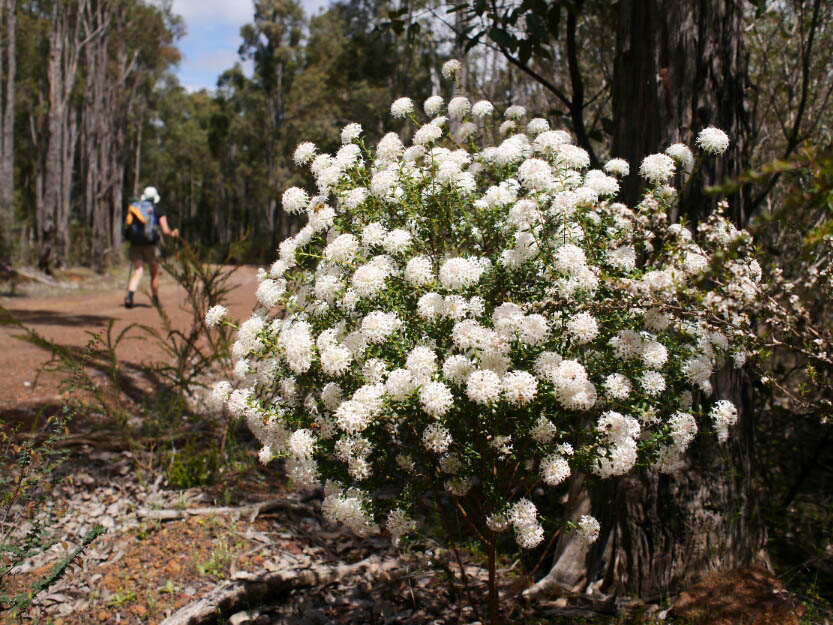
point(194, 465)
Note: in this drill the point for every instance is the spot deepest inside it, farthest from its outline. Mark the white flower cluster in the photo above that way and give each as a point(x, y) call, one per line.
point(215, 315)
point(454, 317)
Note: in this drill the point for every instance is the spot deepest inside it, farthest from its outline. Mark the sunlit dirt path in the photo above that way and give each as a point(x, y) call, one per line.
point(67, 316)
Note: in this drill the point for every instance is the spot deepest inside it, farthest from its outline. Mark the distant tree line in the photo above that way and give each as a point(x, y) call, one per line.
point(90, 109)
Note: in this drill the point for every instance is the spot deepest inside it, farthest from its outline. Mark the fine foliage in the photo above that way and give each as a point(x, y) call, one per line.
point(473, 316)
point(26, 469)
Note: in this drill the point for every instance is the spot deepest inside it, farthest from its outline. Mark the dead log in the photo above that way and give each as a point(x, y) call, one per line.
point(252, 511)
point(233, 595)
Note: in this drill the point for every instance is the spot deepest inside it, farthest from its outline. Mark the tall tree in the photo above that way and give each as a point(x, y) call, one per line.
point(680, 67)
point(8, 70)
point(272, 41)
point(121, 65)
point(677, 68)
point(66, 42)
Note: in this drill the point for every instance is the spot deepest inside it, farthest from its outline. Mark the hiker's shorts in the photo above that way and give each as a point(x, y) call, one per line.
point(146, 253)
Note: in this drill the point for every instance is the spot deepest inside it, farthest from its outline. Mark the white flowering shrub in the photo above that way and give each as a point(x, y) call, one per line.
point(466, 318)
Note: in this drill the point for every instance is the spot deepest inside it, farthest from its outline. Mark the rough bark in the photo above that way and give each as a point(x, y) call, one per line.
point(634, 90)
point(294, 573)
point(680, 66)
point(662, 532)
point(109, 98)
point(97, 138)
point(124, 99)
point(8, 11)
point(65, 45)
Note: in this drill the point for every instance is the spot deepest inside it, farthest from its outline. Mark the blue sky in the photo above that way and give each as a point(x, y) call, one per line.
point(213, 37)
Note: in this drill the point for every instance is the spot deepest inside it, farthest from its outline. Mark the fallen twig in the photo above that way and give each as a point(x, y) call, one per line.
point(224, 598)
point(253, 510)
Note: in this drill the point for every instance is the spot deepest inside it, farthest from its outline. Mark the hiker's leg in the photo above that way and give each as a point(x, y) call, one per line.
point(136, 276)
point(154, 278)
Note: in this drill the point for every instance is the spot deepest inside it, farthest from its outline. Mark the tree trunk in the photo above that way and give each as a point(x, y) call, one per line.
point(123, 98)
point(55, 125)
point(64, 48)
point(680, 66)
point(97, 137)
point(661, 532)
point(8, 10)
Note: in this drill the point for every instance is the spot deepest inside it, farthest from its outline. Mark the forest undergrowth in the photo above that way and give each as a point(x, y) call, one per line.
point(159, 417)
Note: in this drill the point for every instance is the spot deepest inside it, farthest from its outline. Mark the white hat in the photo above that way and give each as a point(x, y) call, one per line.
point(150, 193)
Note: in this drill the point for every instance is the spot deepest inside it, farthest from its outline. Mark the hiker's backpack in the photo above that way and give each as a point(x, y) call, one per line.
point(140, 225)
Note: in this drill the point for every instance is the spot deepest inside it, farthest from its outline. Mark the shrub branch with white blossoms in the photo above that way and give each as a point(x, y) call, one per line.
point(460, 323)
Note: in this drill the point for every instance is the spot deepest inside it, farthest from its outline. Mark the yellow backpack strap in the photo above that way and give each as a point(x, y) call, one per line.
point(133, 211)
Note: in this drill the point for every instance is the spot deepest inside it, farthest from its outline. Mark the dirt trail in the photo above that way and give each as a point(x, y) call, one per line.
point(66, 316)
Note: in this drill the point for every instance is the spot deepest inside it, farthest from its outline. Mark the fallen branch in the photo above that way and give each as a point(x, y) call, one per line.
point(253, 511)
point(226, 597)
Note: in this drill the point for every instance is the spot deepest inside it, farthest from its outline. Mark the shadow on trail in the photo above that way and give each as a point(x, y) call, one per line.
point(104, 370)
point(57, 318)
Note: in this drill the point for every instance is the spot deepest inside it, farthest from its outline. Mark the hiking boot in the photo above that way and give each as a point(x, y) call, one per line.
point(128, 301)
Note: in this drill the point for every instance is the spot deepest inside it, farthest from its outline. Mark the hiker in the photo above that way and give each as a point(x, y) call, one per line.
point(143, 223)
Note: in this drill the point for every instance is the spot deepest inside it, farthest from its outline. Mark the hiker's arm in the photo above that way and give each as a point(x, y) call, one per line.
point(163, 225)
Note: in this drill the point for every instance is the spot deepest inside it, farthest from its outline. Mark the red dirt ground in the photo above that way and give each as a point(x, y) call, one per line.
point(67, 316)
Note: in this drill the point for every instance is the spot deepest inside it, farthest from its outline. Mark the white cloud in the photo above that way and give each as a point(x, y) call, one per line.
point(237, 11)
point(212, 37)
point(217, 61)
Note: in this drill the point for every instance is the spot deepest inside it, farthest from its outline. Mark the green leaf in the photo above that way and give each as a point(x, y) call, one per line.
point(472, 42)
point(524, 51)
point(554, 18)
point(413, 31)
point(503, 38)
point(607, 125)
point(541, 51)
point(536, 28)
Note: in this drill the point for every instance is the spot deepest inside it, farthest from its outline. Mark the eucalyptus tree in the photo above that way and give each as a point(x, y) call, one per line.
point(121, 65)
point(8, 71)
point(639, 76)
point(273, 42)
point(66, 41)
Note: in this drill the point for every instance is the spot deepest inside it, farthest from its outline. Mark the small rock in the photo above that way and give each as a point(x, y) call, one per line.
point(85, 479)
point(56, 597)
point(102, 456)
point(239, 618)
